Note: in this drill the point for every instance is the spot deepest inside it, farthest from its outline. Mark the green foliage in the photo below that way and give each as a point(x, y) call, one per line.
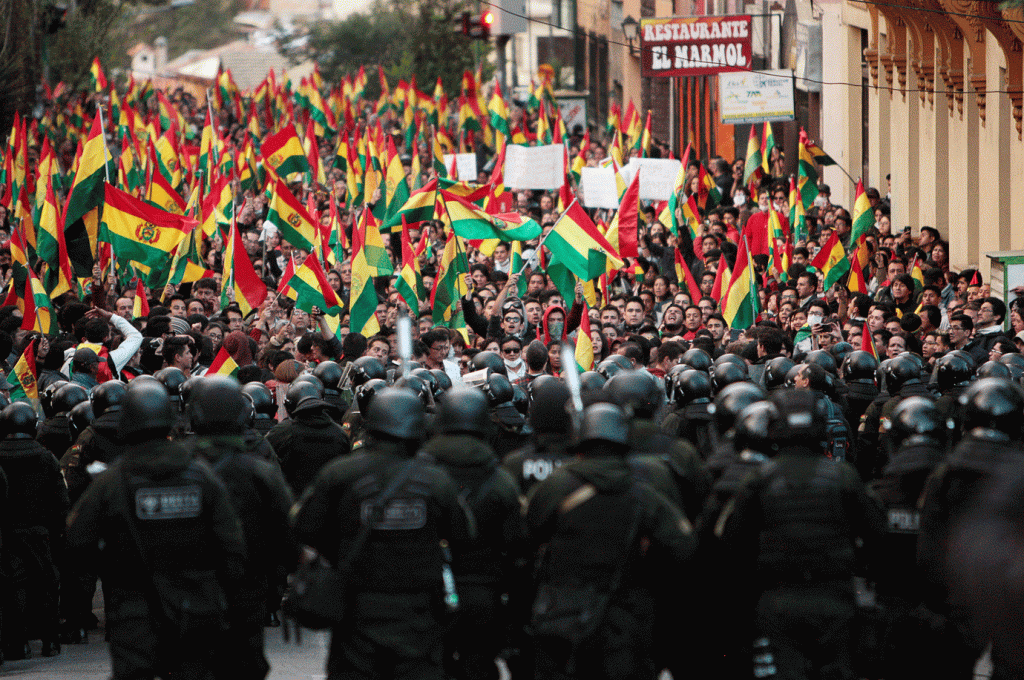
point(100, 32)
point(405, 38)
point(203, 25)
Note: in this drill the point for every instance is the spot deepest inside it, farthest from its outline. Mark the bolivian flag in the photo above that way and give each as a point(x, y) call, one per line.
point(418, 208)
point(409, 283)
point(223, 364)
point(741, 301)
point(284, 153)
point(831, 261)
point(362, 295)
point(23, 377)
point(291, 217)
point(575, 242)
point(472, 223)
point(584, 351)
point(309, 288)
point(141, 233)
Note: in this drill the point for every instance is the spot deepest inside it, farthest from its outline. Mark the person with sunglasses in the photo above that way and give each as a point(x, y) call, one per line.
point(512, 355)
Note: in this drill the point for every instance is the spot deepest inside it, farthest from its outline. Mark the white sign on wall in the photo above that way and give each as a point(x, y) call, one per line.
point(756, 96)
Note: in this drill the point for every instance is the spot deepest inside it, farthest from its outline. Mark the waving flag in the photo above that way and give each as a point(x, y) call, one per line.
point(575, 242)
point(223, 364)
point(831, 261)
point(741, 302)
point(409, 283)
point(289, 215)
point(362, 295)
point(23, 377)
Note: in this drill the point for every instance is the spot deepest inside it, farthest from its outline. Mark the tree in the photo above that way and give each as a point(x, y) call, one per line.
point(420, 38)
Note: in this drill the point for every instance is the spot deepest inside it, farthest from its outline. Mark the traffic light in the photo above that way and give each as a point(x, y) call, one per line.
point(477, 27)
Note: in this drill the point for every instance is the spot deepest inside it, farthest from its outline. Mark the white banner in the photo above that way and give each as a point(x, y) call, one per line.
point(597, 188)
point(465, 163)
point(756, 96)
point(658, 178)
point(534, 167)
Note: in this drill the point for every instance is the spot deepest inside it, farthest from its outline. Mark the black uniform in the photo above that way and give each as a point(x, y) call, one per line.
point(306, 442)
point(395, 628)
point(54, 434)
point(485, 566)
point(796, 522)
point(188, 529)
point(692, 480)
point(37, 504)
point(542, 455)
point(695, 424)
point(952, 492)
point(260, 498)
point(579, 520)
point(899, 583)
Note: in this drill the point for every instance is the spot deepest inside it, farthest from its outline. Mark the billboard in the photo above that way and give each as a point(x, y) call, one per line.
point(695, 46)
point(756, 96)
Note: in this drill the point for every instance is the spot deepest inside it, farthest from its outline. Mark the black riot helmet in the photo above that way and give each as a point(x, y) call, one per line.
point(860, 367)
point(489, 360)
point(775, 372)
point(146, 412)
point(590, 381)
point(107, 396)
point(800, 422)
point(637, 392)
point(185, 391)
point(604, 422)
point(497, 389)
point(880, 376)
point(994, 369)
point(840, 351)
point(520, 399)
point(922, 365)
point(69, 396)
point(915, 416)
point(261, 398)
point(218, 406)
point(730, 358)
point(670, 379)
point(613, 365)
point(419, 386)
point(311, 379)
point(549, 405)
point(79, 418)
point(691, 386)
point(733, 399)
point(427, 376)
point(19, 421)
point(329, 374)
point(395, 413)
point(366, 391)
point(46, 397)
point(463, 410)
point(697, 358)
point(727, 373)
point(822, 358)
point(172, 379)
point(994, 404)
point(751, 428)
point(1012, 359)
point(442, 382)
point(953, 370)
point(366, 368)
point(901, 370)
point(299, 391)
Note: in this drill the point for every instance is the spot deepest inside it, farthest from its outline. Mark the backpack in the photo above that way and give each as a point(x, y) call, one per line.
point(837, 433)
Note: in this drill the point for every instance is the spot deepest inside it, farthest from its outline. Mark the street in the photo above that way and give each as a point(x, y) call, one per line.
point(288, 661)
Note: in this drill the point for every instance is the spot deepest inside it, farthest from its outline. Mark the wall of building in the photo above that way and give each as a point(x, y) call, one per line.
point(943, 116)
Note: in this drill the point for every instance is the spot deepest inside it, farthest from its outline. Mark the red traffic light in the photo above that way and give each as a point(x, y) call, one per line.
point(487, 19)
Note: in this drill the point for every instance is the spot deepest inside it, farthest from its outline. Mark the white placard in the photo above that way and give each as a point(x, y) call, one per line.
point(535, 167)
point(658, 178)
point(597, 188)
point(756, 96)
point(574, 112)
point(465, 163)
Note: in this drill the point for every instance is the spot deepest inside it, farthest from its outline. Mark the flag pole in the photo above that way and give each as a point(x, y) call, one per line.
point(103, 134)
point(544, 237)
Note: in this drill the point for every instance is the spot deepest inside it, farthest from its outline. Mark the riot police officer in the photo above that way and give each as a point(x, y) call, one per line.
point(729, 403)
point(395, 628)
point(309, 438)
point(692, 420)
point(548, 447)
point(218, 413)
point(263, 406)
point(485, 567)
point(33, 519)
point(953, 373)
point(799, 520)
point(167, 543)
point(859, 375)
point(917, 431)
point(592, 520)
point(53, 432)
point(990, 443)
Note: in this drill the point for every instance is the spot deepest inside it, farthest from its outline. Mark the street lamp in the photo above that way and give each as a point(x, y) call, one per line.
point(631, 29)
